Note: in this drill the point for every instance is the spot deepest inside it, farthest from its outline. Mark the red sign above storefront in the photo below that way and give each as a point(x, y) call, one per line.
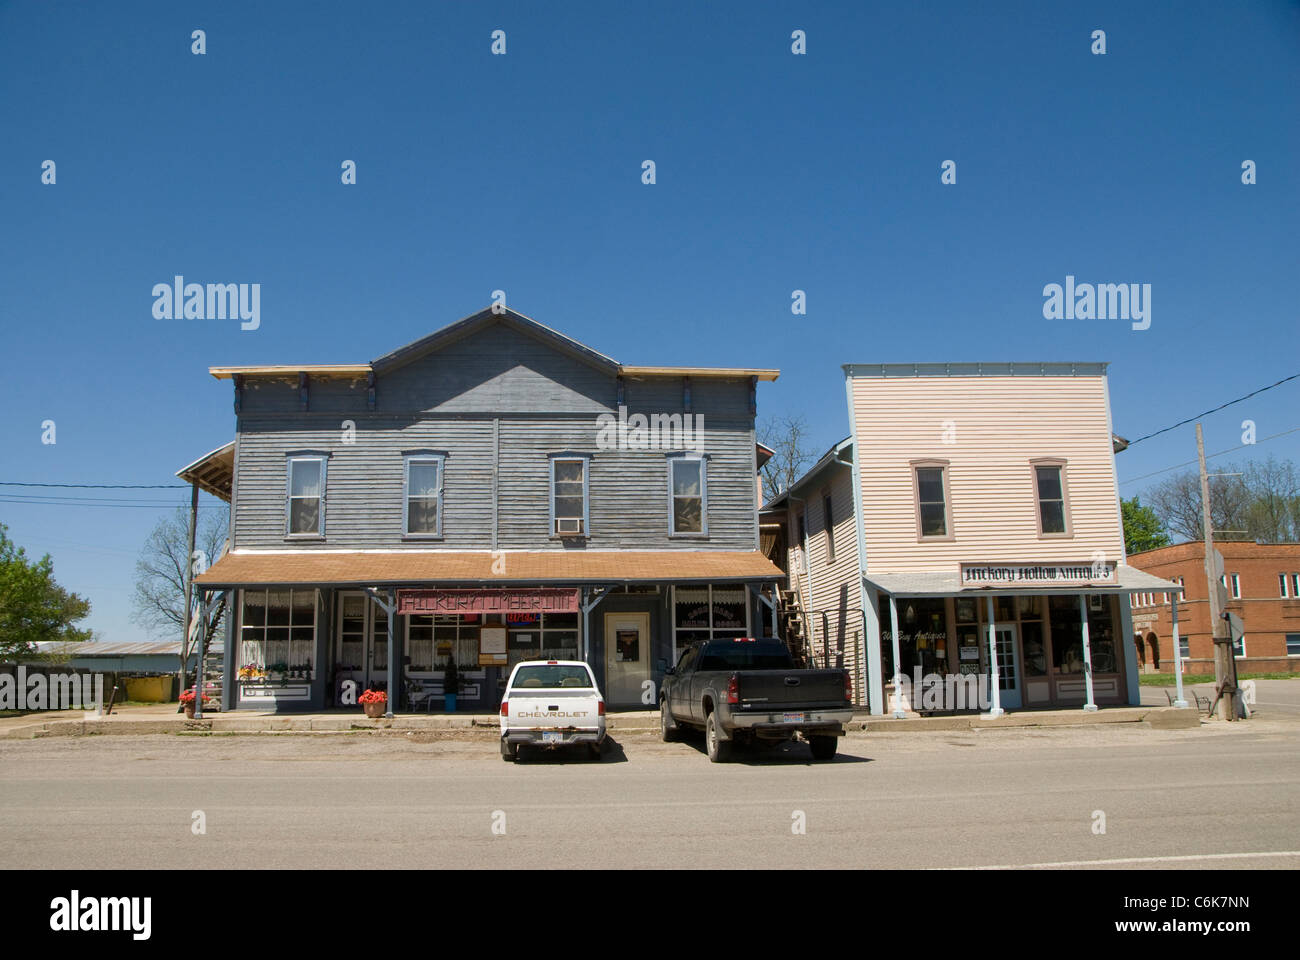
point(541, 600)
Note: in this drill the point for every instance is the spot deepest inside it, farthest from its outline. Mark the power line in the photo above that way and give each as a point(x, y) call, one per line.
point(1209, 456)
point(1183, 423)
point(100, 486)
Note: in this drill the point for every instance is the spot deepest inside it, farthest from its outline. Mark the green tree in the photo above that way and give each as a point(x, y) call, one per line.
point(1142, 527)
point(33, 607)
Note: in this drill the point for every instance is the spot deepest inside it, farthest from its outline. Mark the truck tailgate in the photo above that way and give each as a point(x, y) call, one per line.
point(553, 710)
point(769, 689)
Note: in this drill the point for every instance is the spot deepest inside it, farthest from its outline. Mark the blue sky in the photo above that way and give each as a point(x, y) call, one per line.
point(522, 172)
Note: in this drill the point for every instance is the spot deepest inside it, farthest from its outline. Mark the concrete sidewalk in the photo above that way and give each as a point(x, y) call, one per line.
point(162, 718)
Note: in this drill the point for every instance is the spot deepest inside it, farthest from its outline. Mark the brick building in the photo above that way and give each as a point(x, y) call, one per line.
point(1263, 584)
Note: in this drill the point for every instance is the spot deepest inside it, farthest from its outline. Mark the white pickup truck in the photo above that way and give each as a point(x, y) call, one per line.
point(552, 704)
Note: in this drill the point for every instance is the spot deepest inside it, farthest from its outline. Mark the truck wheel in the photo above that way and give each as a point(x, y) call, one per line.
point(719, 750)
point(668, 728)
point(593, 752)
point(509, 751)
point(823, 748)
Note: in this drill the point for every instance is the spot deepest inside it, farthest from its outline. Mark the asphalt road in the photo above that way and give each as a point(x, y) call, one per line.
point(1221, 796)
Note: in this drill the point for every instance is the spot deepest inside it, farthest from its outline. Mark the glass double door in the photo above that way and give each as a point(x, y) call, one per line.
point(361, 647)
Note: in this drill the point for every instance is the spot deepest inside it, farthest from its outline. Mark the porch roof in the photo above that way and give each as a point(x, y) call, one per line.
point(948, 583)
point(213, 472)
point(409, 567)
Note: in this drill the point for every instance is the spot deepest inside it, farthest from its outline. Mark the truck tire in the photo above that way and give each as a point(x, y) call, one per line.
point(668, 728)
point(509, 752)
point(593, 752)
point(823, 748)
point(719, 750)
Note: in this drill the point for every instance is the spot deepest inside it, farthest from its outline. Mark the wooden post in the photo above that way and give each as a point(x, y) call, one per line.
point(995, 677)
point(1222, 643)
point(188, 580)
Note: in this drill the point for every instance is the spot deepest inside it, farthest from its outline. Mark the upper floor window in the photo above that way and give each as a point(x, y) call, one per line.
point(830, 527)
point(1049, 490)
point(1282, 585)
point(1289, 584)
point(1236, 586)
point(688, 495)
point(802, 548)
point(931, 481)
point(305, 506)
point(423, 495)
point(569, 490)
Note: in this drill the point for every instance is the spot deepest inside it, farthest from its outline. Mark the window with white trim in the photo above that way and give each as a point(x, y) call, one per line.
point(709, 613)
point(422, 506)
point(569, 496)
point(931, 499)
point(828, 521)
point(687, 495)
point(305, 507)
point(1282, 585)
point(1293, 644)
point(1049, 489)
point(1236, 586)
point(277, 633)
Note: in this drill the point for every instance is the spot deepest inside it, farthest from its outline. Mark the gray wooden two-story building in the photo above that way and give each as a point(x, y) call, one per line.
point(493, 492)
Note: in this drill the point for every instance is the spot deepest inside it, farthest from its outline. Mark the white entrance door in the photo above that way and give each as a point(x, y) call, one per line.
point(361, 653)
point(1004, 638)
point(627, 657)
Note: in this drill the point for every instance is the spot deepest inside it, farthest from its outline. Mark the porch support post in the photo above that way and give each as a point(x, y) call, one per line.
point(189, 585)
point(392, 653)
point(770, 604)
point(994, 674)
point(201, 650)
point(229, 680)
point(388, 601)
point(1179, 700)
point(898, 673)
point(1089, 705)
point(589, 602)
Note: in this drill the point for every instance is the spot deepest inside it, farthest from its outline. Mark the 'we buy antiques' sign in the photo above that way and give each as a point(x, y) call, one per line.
point(540, 600)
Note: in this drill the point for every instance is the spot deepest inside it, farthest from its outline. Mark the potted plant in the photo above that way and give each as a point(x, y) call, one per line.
point(450, 685)
point(374, 703)
point(187, 702)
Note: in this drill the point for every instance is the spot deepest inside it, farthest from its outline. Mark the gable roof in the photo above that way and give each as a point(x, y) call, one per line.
point(469, 325)
point(485, 318)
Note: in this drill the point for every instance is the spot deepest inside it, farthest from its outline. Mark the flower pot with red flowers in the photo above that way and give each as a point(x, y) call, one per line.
point(187, 702)
point(374, 703)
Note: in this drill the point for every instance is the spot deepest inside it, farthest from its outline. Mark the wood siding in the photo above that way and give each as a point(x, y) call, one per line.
point(541, 400)
point(832, 588)
point(1000, 424)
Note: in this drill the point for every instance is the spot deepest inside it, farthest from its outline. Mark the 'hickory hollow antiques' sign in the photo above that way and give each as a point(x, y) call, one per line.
point(1016, 574)
point(541, 600)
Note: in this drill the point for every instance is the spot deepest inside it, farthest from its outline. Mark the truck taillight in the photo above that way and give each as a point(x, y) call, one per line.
point(733, 689)
point(600, 708)
point(848, 688)
point(505, 708)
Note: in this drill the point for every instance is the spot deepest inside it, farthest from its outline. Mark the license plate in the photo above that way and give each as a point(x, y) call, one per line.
point(552, 738)
point(792, 717)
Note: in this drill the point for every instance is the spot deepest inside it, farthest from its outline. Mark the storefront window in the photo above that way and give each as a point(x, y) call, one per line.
point(1067, 634)
point(278, 631)
point(922, 635)
point(533, 636)
point(703, 613)
point(433, 639)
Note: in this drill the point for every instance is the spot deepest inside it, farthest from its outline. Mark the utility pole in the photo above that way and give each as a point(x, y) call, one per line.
point(1224, 668)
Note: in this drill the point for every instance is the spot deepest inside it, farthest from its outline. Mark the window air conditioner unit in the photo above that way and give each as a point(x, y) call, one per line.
point(568, 527)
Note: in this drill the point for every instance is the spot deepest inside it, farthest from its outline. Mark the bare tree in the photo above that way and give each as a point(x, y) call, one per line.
point(159, 599)
point(1275, 501)
point(1257, 501)
point(788, 436)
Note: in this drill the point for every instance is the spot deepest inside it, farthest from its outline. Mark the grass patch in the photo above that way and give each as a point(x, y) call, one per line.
point(1168, 680)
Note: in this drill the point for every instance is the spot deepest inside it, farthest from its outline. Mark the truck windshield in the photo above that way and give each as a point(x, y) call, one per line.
point(744, 656)
point(548, 676)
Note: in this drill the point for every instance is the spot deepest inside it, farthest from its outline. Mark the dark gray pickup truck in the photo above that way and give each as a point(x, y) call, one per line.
point(744, 689)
